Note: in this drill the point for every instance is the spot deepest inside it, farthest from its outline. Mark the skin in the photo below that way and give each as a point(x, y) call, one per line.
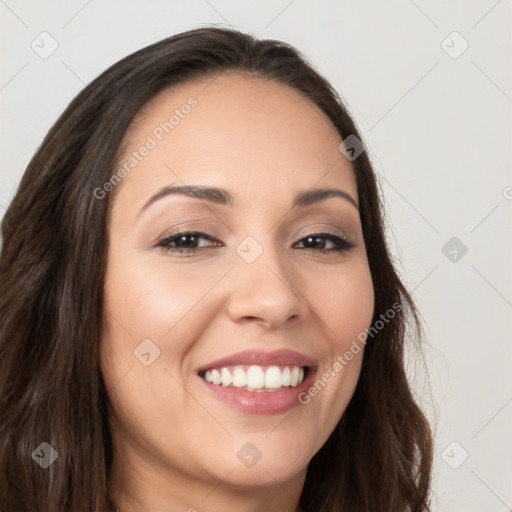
point(175, 444)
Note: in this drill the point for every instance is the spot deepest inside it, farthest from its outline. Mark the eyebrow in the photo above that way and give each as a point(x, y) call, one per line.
point(223, 197)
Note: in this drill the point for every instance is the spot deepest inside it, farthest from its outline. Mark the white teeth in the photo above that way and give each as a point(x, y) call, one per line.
point(294, 376)
point(226, 377)
point(216, 379)
point(286, 377)
point(239, 378)
point(273, 377)
point(256, 378)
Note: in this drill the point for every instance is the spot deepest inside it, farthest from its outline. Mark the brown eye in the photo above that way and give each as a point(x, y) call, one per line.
point(188, 242)
point(185, 242)
point(341, 244)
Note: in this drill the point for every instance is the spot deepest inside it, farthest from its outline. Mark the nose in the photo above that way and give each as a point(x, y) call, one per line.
point(265, 292)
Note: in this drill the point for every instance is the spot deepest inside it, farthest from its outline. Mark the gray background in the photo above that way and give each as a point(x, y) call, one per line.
point(437, 123)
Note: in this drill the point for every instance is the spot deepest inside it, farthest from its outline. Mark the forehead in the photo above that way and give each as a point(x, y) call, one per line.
point(233, 129)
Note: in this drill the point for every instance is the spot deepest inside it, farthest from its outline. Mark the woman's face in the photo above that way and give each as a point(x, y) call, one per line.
point(260, 290)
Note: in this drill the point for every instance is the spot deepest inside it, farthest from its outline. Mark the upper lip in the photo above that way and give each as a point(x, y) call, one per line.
point(261, 358)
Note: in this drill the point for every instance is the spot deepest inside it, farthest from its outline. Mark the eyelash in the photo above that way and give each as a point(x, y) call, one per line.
point(342, 244)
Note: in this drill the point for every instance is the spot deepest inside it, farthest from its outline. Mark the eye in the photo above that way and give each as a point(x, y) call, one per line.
point(188, 242)
point(341, 243)
point(185, 242)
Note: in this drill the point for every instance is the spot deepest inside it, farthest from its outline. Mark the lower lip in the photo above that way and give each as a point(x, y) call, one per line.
point(260, 402)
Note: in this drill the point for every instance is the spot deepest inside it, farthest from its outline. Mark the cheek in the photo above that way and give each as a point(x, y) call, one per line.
point(346, 304)
point(163, 303)
point(345, 308)
point(147, 312)
point(153, 300)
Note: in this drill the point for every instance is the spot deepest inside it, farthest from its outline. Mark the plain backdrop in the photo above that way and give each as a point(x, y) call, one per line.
point(430, 86)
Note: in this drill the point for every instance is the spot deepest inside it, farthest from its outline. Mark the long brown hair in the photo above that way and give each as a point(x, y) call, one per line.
point(378, 458)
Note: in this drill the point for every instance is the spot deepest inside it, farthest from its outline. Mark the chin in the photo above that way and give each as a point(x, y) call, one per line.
point(264, 474)
point(256, 461)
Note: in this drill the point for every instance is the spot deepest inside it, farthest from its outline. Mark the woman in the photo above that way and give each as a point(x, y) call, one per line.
point(198, 309)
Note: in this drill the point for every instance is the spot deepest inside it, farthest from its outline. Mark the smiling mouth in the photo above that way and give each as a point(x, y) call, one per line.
point(256, 378)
